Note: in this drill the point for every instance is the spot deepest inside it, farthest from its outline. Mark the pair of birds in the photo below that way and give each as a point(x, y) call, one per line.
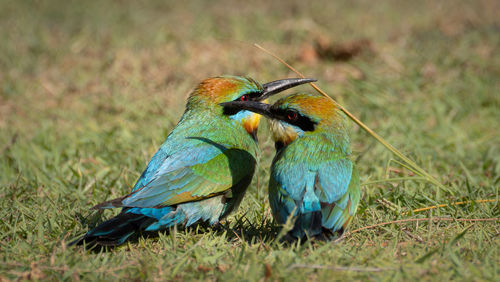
point(202, 170)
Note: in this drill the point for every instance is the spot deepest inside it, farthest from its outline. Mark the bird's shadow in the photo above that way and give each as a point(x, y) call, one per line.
point(267, 233)
point(245, 231)
point(242, 230)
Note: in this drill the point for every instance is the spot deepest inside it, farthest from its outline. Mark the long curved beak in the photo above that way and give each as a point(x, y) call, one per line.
point(270, 88)
point(277, 86)
point(256, 107)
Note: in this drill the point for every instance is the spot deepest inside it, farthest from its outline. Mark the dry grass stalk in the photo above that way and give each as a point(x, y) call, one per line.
point(412, 165)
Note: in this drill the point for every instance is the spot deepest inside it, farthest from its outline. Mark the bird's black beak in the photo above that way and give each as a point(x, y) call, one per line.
point(277, 86)
point(256, 107)
point(270, 88)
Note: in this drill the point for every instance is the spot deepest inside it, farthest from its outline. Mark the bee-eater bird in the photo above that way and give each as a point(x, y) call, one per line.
point(313, 180)
point(201, 171)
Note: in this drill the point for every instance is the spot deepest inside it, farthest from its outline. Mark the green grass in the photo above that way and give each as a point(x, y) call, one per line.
point(92, 88)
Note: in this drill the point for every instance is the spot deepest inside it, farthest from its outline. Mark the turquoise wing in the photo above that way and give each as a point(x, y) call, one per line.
point(313, 193)
point(338, 206)
point(194, 173)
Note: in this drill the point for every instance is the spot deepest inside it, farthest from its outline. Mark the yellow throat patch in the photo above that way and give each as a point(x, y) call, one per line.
point(282, 133)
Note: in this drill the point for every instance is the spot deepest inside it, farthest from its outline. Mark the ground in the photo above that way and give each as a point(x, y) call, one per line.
point(90, 89)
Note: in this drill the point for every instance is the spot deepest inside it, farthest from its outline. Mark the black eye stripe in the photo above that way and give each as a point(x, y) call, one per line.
point(303, 122)
point(252, 96)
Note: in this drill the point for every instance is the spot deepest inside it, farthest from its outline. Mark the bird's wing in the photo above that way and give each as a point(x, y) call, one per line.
point(332, 180)
point(306, 188)
point(197, 173)
point(338, 190)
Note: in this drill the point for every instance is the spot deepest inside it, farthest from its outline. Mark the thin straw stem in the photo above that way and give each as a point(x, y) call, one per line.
point(411, 163)
point(452, 204)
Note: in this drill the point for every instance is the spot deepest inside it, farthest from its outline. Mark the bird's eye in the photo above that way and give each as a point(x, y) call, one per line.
point(291, 115)
point(244, 98)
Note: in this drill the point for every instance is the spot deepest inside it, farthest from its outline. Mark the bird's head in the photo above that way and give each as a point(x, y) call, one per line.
point(212, 93)
point(297, 115)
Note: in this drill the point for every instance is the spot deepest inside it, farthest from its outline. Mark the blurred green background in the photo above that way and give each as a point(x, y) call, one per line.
point(90, 89)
